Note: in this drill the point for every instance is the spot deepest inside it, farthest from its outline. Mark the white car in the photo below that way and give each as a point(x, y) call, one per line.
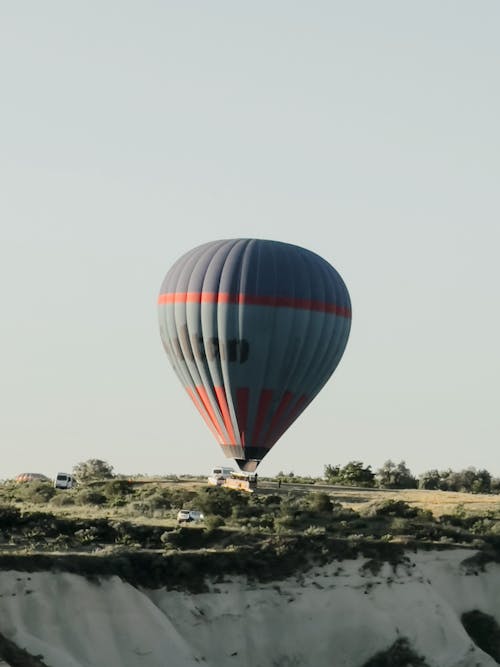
point(186, 516)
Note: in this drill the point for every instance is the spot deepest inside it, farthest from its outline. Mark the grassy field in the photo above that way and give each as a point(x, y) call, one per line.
point(438, 502)
point(358, 499)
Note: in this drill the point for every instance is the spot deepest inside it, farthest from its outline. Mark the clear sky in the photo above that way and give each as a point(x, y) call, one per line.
point(365, 131)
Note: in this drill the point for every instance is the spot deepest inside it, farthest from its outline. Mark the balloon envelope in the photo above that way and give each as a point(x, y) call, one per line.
point(253, 329)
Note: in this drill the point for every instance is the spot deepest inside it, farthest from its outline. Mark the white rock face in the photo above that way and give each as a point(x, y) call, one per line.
point(339, 615)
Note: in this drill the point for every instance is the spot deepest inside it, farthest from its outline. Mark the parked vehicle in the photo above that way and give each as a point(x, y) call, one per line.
point(64, 481)
point(242, 481)
point(186, 516)
point(31, 477)
point(219, 475)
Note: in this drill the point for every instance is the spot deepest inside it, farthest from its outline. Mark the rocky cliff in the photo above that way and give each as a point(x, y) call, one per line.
point(434, 608)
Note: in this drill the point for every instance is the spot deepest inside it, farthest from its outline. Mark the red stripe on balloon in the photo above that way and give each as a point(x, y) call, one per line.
point(201, 409)
point(221, 398)
point(248, 299)
point(242, 398)
point(262, 411)
point(278, 416)
point(202, 392)
point(290, 418)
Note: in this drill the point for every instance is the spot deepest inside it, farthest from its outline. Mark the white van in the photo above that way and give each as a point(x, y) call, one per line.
point(219, 475)
point(64, 481)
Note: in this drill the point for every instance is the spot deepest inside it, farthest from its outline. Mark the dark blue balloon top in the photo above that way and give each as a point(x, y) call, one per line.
point(259, 271)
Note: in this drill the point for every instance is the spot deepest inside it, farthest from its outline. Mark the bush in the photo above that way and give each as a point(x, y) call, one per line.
point(159, 501)
point(179, 498)
point(213, 522)
point(90, 497)
point(320, 502)
point(35, 492)
point(93, 469)
point(9, 516)
point(117, 488)
point(246, 511)
point(396, 476)
point(396, 508)
point(62, 500)
point(88, 535)
point(352, 474)
point(286, 521)
point(271, 499)
point(216, 500)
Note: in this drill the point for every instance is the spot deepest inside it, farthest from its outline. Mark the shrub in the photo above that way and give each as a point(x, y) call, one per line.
point(321, 502)
point(35, 492)
point(271, 499)
point(286, 521)
point(401, 526)
point(92, 469)
point(62, 499)
point(179, 498)
point(90, 497)
point(213, 522)
point(9, 516)
point(155, 506)
point(159, 501)
point(313, 531)
point(352, 474)
point(246, 511)
point(216, 500)
point(396, 476)
point(396, 508)
point(166, 538)
point(117, 488)
point(88, 535)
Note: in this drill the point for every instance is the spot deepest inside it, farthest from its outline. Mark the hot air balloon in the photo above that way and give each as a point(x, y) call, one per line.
point(253, 329)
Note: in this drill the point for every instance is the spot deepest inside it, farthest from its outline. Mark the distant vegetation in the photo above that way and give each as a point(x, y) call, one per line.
point(398, 476)
point(93, 469)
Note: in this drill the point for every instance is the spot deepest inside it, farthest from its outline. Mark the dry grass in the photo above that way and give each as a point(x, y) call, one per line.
point(438, 502)
point(359, 499)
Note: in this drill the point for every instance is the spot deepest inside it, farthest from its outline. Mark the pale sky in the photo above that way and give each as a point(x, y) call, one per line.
point(365, 131)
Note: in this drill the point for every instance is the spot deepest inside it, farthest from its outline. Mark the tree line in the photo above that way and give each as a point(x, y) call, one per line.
point(398, 476)
point(390, 475)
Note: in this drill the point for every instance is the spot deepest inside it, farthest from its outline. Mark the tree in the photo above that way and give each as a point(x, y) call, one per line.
point(386, 475)
point(482, 483)
point(353, 473)
point(93, 469)
point(332, 474)
point(430, 480)
point(470, 480)
point(495, 485)
point(396, 476)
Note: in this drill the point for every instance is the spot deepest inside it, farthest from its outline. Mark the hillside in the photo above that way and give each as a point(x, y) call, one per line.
point(286, 577)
